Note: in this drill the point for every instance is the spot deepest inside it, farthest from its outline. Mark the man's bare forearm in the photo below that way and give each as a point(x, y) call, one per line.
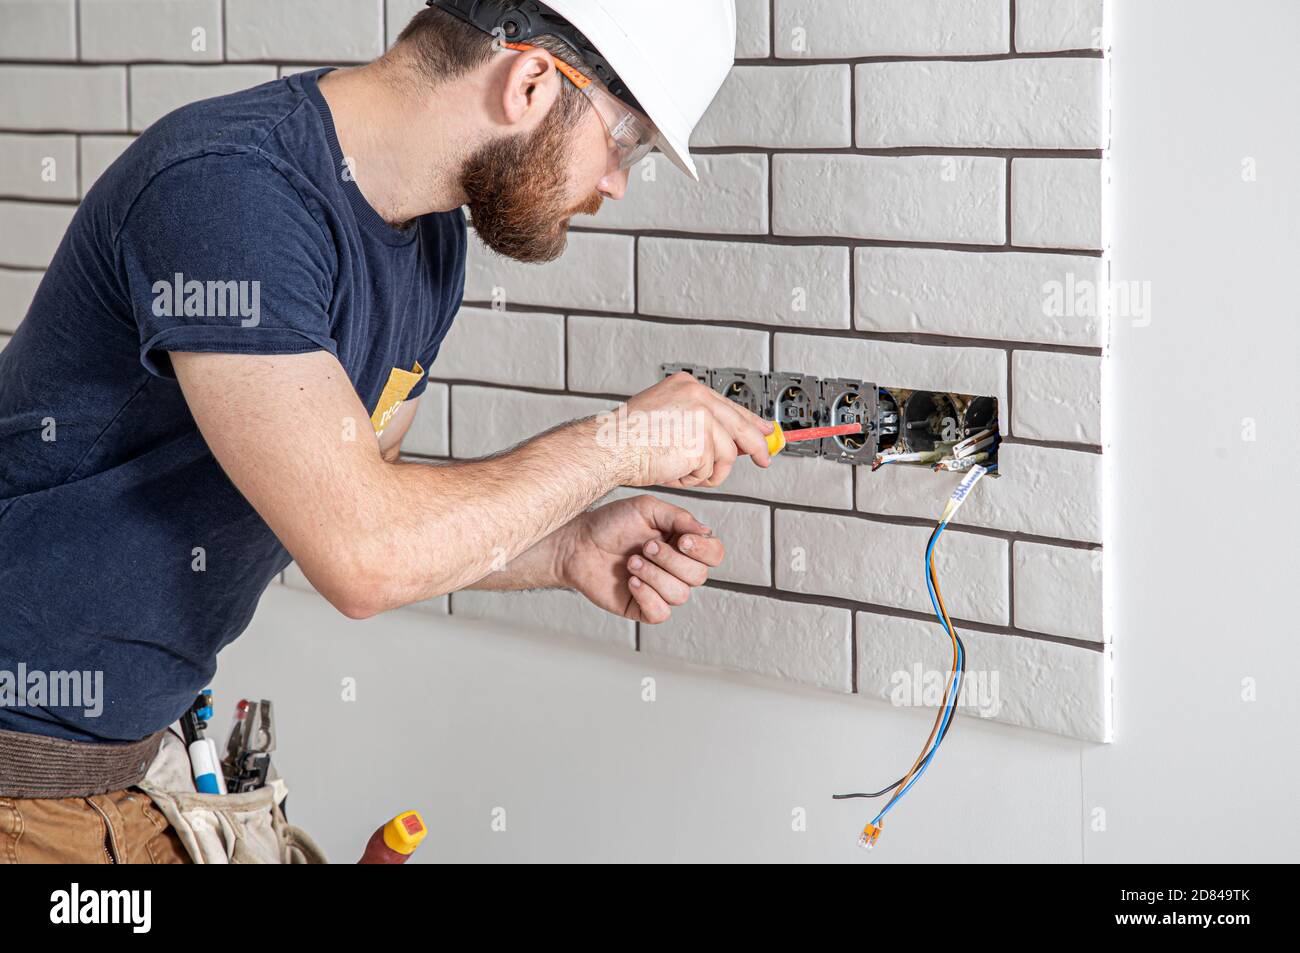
point(461, 521)
point(540, 566)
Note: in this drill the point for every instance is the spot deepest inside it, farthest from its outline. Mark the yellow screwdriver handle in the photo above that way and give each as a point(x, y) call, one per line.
point(775, 440)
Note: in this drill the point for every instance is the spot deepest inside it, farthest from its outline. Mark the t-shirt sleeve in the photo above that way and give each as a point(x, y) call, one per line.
point(221, 254)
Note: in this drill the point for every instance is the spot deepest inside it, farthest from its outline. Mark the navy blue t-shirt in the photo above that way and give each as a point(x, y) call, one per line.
point(232, 225)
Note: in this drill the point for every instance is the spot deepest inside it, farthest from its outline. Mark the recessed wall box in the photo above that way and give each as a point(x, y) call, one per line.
point(930, 418)
point(889, 420)
point(901, 426)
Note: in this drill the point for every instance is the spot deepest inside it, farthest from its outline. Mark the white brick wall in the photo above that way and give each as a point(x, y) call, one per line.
point(789, 640)
point(340, 32)
point(1042, 491)
point(38, 167)
point(157, 90)
point(38, 29)
point(496, 418)
point(965, 370)
point(187, 31)
point(753, 29)
point(960, 199)
point(1058, 590)
point(878, 562)
point(1001, 104)
point(554, 610)
point(97, 154)
point(429, 435)
point(896, 190)
point(803, 285)
point(731, 198)
point(850, 28)
point(785, 106)
point(1044, 26)
point(1043, 685)
point(503, 347)
point(1057, 203)
point(745, 528)
point(81, 98)
point(595, 272)
point(611, 356)
point(31, 232)
point(995, 295)
point(399, 14)
point(16, 291)
point(1056, 396)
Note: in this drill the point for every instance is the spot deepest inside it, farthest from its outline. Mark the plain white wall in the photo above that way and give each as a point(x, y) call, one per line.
point(1202, 531)
point(457, 718)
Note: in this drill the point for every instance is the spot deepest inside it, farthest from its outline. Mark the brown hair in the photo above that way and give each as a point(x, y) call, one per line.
point(442, 47)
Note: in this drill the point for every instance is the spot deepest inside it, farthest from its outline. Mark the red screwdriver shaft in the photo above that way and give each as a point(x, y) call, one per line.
point(818, 433)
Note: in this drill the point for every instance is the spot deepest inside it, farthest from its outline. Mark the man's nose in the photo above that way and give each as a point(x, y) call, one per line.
point(614, 185)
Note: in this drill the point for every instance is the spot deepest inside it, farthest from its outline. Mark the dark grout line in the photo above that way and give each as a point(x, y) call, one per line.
point(28, 200)
point(898, 337)
point(771, 29)
point(1011, 396)
point(922, 522)
point(855, 606)
point(787, 241)
point(1011, 45)
point(1009, 242)
point(853, 652)
point(795, 61)
point(197, 64)
point(1023, 152)
point(1011, 582)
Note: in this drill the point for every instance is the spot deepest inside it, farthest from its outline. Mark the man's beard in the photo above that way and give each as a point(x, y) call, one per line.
point(517, 188)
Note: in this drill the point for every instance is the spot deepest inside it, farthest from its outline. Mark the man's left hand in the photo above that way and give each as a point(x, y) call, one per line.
point(638, 557)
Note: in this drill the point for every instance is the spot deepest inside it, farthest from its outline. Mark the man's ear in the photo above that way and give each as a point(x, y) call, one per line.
point(532, 85)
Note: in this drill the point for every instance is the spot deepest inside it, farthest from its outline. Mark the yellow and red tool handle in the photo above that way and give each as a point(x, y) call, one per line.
point(396, 841)
point(778, 438)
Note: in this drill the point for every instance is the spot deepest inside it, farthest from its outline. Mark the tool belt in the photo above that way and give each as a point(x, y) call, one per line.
point(247, 828)
point(40, 766)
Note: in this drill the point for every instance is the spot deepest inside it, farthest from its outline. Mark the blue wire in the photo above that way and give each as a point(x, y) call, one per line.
point(956, 677)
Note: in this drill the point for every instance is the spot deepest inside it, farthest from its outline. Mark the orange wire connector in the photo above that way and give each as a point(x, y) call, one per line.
point(870, 834)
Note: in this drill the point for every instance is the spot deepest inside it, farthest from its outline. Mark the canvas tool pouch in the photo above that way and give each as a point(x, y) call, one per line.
point(248, 828)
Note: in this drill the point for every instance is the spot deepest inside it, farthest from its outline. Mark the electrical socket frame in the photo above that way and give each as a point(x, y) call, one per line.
point(744, 387)
point(795, 403)
point(971, 412)
point(838, 395)
point(701, 374)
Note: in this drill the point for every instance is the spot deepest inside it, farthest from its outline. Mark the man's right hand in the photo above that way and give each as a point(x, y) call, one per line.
point(680, 433)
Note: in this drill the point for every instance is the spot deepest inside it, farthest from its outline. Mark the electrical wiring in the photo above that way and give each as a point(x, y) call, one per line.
point(947, 707)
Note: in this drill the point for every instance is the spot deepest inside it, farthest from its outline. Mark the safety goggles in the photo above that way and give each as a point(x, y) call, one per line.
point(632, 134)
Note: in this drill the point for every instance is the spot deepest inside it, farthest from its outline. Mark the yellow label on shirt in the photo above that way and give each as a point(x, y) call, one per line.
point(399, 385)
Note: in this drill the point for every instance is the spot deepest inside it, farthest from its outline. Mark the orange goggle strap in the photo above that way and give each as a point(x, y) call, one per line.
point(582, 82)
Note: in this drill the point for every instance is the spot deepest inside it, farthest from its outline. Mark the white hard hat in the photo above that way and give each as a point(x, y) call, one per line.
point(672, 54)
point(666, 57)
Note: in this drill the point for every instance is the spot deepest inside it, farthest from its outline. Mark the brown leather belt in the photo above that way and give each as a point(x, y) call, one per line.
point(40, 766)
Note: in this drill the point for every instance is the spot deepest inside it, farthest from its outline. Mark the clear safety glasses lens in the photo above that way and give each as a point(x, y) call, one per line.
point(633, 136)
